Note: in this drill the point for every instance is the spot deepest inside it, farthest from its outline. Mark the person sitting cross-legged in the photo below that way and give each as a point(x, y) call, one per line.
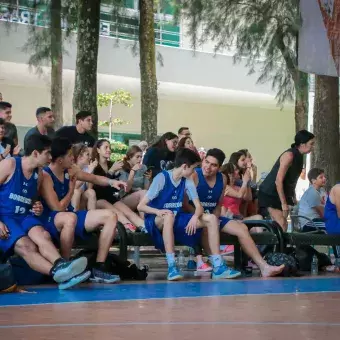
point(21, 230)
point(166, 223)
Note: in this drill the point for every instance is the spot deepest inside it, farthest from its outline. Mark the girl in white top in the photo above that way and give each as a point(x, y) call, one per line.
point(83, 197)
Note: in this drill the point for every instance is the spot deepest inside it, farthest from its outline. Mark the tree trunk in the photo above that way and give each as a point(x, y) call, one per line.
point(56, 63)
point(85, 88)
point(301, 101)
point(326, 127)
point(147, 64)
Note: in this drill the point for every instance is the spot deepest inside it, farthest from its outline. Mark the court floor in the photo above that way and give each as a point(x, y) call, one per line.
point(254, 309)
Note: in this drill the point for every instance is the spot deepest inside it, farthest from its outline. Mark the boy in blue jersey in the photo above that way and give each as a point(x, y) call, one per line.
point(210, 185)
point(57, 189)
point(20, 229)
point(165, 221)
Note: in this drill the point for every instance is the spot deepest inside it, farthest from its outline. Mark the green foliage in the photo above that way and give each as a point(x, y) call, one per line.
point(118, 150)
point(264, 33)
point(116, 97)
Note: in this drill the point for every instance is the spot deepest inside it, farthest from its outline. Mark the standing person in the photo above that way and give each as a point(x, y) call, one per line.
point(80, 132)
point(45, 118)
point(277, 191)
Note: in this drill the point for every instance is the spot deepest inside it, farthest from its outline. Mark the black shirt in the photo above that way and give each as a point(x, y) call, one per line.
point(72, 134)
point(268, 186)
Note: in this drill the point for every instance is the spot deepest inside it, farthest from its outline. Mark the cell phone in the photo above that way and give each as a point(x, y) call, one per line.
point(150, 168)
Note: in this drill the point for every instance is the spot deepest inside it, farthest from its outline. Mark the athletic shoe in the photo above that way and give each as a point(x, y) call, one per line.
point(99, 276)
point(174, 274)
point(227, 250)
point(223, 272)
point(204, 267)
point(65, 270)
point(130, 227)
point(76, 280)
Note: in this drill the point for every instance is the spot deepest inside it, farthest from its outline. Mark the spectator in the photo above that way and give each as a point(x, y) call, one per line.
point(312, 202)
point(80, 132)
point(186, 142)
point(183, 132)
point(6, 111)
point(143, 146)
point(160, 156)
point(45, 118)
point(5, 148)
point(277, 191)
point(1, 98)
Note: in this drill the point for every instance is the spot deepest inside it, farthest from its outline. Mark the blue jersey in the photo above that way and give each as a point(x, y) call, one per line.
point(170, 197)
point(60, 188)
point(17, 195)
point(208, 196)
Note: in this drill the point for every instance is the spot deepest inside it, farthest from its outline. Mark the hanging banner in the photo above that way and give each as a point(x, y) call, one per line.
point(319, 38)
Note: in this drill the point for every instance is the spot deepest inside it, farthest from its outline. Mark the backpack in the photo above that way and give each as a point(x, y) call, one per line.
point(277, 259)
point(8, 283)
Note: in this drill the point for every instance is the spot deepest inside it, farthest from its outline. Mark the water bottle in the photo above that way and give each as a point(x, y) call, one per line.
point(181, 259)
point(315, 266)
point(191, 265)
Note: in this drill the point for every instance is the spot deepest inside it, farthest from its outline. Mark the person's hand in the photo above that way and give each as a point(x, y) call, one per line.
point(37, 208)
point(164, 212)
point(93, 165)
point(137, 167)
point(191, 228)
point(4, 232)
point(246, 176)
point(16, 150)
point(148, 175)
point(285, 210)
point(116, 166)
point(118, 185)
point(73, 181)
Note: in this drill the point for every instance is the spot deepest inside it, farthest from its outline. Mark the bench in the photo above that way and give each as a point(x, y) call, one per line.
point(271, 237)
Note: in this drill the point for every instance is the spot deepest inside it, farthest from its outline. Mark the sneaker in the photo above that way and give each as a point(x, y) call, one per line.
point(174, 274)
point(65, 270)
point(76, 280)
point(130, 227)
point(224, 272)
point(204, 267)
point(227, 250)
point(99, 276)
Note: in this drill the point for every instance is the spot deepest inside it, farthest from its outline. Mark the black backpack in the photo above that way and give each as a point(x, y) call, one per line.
point(8, 283)
point(277, 259)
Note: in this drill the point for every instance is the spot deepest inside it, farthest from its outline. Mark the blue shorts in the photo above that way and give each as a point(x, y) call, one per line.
point(224, 221)
point(18, 228)
point(181, 237)
point(80, 231)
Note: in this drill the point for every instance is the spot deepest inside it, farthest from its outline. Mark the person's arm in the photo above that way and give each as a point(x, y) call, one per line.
point(49, 195)
point(192, 192)
point(231, 192)
point(187, 207)
point(219, 207)
point(155, 188)
point(285, 162)
point(6, 169)
point(248, 196)
point(99, 180)
point(314, 201)
point(335, 197)
point(320, 209)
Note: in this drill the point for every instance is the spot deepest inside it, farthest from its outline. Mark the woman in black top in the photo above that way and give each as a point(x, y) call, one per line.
point(109, 198)
point(277, 191)
point(160, 156)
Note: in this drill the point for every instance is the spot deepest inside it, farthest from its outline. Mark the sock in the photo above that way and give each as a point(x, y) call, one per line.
point(216, 260)
point(199, 263)
point(170, 257)
point(100, 266)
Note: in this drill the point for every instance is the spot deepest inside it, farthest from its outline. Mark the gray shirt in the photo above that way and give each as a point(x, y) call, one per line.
point(139, 180)
point(310, 199)
point(35, 131)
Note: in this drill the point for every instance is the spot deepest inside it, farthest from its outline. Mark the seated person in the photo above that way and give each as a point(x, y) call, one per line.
point(136, 176)
point(21, 231)
point(83, 196)
point(109, 198)
point(312, 202)
point(57, 189)
point(166, 223)
point(5, 147)
point(211, 184)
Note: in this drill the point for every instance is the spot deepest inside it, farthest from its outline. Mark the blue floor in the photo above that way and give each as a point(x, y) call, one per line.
point(146, 291)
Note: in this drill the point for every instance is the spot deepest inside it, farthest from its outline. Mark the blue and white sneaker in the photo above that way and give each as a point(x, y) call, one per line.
point(174, 274)
point(65, 270)
point(99, 276)
point(224, 272)
point(76, 280)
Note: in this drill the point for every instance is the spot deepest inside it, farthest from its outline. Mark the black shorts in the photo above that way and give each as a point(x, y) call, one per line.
point(269, 201)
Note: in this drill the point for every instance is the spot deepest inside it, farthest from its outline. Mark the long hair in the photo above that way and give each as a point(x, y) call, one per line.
point(182, 141)
point(161, 143)
point(228, 169)
point(78, 150)
point(234, 158)
point(97, 145)
point(132, 150)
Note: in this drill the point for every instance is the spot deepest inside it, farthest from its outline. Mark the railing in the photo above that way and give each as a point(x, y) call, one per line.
point(126, 26)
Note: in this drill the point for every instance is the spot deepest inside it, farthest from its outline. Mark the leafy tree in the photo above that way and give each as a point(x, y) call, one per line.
point(263, 32)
